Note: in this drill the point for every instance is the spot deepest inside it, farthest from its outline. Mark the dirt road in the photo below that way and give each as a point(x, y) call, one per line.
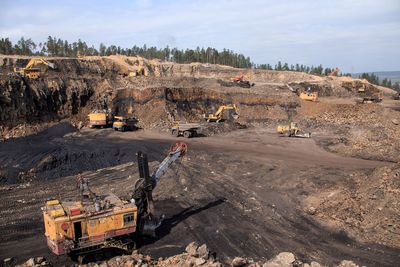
point(241, 193)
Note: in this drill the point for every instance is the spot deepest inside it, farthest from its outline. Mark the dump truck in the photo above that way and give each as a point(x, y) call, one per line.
point(292, 130)
point(100, 119)
point(88, 226)
point(31, 70)
point(309, 96)
point(123, 124)
point(375, 98)
point(185, 129)
point(218, 115)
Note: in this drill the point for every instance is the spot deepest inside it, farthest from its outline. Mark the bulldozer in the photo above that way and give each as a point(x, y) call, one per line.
point(292, 130)
point(309, 96)
point(88, 227)
point(218, 115)
point(31, 71)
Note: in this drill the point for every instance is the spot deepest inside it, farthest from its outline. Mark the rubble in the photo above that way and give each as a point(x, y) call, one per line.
point(194, 255)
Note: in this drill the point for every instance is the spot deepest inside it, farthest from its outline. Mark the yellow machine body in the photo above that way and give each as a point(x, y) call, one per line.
point(309, 96)
point(73, 226)
point(99, 119)
point(217, 116)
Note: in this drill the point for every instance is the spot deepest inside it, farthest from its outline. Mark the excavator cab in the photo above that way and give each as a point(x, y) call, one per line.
point(31, 70)
point(218, 115)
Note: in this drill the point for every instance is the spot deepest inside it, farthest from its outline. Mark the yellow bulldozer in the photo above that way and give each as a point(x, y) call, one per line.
point(309, 96)
point(91, 225)
point(218, 115)
point(292, 130)
point(31, 70)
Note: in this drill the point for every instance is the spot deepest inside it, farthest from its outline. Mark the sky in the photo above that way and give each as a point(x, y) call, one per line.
point(356, 36)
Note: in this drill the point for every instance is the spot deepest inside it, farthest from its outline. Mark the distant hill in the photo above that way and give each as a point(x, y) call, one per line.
point(394, 76)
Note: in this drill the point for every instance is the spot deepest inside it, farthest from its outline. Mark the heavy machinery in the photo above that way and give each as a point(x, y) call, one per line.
point(239, 80)
point(292, 130)
point(218, 115)
point(185, 129)
point(334, 72)
point(100, 119)
point(123, 124)
point(31, 70)
point(309, 96)
point(87, 227)
point(369, 99)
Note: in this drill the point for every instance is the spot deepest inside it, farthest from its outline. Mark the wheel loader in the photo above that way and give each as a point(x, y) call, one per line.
point(91, 225)
point(292, 130)
point(218, 115)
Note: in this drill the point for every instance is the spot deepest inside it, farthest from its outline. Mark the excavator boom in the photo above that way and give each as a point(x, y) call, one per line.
point(217, 116)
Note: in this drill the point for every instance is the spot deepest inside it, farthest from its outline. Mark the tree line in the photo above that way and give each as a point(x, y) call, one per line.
point(373, 78)
point(57, 47)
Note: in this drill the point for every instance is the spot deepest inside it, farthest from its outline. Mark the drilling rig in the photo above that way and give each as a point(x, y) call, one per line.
point(81, 228)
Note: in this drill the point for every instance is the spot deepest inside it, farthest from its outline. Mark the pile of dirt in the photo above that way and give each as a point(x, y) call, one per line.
point(194, 255)
point(368, 209)
point(227, 126)
point(367, 131)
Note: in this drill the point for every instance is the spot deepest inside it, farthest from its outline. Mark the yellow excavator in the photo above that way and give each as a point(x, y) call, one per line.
point(31, 70)
point(94, 223)
point(218, 115)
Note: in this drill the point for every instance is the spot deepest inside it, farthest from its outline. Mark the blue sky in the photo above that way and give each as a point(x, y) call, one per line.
point(356, 36)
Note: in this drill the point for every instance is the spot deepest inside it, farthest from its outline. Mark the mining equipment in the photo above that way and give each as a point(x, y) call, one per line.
point(292, 130)
point(185, 129)
point(218, 115)
point(31, 70)
point(123, 124)
point(100, 119)
point(239, 80)
point(334, 73)
point(96, 223)
point(309, 96)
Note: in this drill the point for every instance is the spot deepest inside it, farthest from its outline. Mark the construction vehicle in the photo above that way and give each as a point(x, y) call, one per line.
point(218, 115)
point(87, 227)
point(123, 124)
point(186, 130)
point(31, 70)
point(369, 99)
point(309, 96)
point(334, 72)
point(239, 80)
point(292, 130)
point(100, 119)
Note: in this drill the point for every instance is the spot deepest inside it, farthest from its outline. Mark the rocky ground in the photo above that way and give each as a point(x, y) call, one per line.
point(194, 255)
point(243, 190)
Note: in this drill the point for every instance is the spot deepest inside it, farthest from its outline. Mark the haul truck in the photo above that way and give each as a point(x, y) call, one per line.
point(86, 227)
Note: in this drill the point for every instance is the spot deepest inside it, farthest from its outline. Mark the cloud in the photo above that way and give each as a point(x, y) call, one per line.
point(332, 33)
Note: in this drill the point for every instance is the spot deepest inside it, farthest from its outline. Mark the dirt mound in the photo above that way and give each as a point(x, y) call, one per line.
point(368, 209)
point(367, 131)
